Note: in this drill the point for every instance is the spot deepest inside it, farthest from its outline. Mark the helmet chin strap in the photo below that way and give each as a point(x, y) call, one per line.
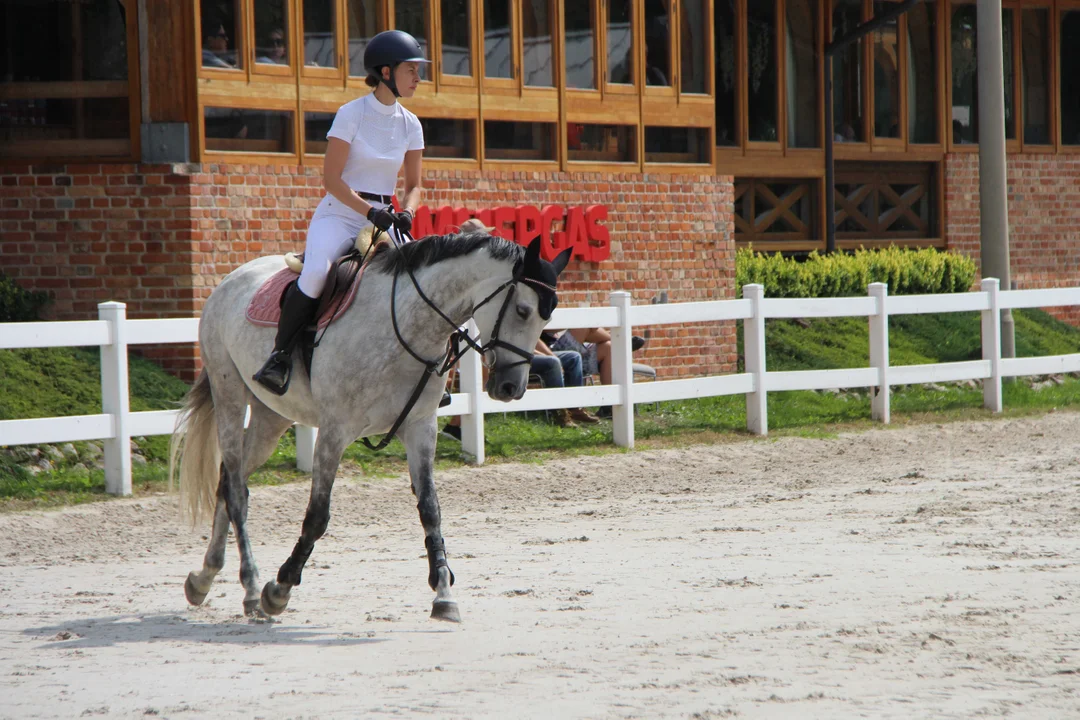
point(391, 83)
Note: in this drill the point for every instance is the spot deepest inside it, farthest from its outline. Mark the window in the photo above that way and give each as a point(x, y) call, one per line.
point(693, 44)
point(801, 73)
point(762, 85)
point(1070, 77)
point(363, 22)
point(726, 72)
point(411, 16)
point(256, 131)
point(498, 40)
point(271, 21)
point(448, 138)
point(1035, 78)
point(886, 75)
point(519, 140)
point(965, 109)
point(676, 145)
point(65, 70)
point(316, 125)
point(922, 73)
point(456, 37)
point(580, 21)
point(601, 143)
point(320, 31)
point(537, 54)
point(620, 42)
point(657, 43)
point(1026, 66)
point(847, 74)
point(220, 20)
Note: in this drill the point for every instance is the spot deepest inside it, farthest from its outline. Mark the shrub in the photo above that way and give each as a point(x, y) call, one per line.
point(906, 272)
point(18, 304)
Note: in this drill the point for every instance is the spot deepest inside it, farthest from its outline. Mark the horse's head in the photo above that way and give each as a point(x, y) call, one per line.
point(511, 321)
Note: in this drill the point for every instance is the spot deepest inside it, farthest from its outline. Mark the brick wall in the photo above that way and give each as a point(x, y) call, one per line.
point(160, 238)
point(1044, 217)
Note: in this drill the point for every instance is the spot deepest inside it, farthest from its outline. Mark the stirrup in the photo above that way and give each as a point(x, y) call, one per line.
point(279, 363)
point(446, 399)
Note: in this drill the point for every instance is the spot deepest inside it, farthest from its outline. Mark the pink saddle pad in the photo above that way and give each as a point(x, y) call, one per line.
point(265, 308)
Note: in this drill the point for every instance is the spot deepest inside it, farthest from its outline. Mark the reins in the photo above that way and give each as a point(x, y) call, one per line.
point(454, 351)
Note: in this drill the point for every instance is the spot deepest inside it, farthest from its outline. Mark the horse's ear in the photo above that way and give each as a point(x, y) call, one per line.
point(532, 252)
point(560, 261)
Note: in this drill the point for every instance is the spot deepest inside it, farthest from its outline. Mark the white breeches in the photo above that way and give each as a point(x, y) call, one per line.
point(328, 238)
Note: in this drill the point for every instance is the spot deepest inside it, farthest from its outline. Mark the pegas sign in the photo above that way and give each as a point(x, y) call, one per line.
point(559, 227)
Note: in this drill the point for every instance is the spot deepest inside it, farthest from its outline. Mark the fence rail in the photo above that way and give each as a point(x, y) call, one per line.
point(116, 424)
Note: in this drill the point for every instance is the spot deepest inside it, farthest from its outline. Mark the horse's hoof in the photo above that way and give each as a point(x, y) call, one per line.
point(272, 602)
point(253, 611)
point(192, 593)
point(445, 610)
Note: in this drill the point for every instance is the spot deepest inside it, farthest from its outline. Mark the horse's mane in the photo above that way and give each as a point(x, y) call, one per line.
point(436, 248)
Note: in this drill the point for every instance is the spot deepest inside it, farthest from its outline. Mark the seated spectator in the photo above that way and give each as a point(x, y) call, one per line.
point(556, 369)
point(594, 345)
point(275, 51)
point(561, 368)
point(215, 47)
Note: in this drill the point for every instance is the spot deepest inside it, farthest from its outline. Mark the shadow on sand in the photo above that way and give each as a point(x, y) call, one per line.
point(121, 629)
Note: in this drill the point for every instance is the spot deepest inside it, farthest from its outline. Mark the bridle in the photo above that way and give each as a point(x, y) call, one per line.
point(458, 337)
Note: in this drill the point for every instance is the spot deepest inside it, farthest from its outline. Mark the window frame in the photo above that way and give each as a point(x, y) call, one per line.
point(336, 74)
point(1059, 9)
point(444, 78)
point(1054, 8)
point(286, 73)
point(84, 149)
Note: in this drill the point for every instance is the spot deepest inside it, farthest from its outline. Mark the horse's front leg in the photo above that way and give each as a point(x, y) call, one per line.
point(328, 450)
point(420, 447)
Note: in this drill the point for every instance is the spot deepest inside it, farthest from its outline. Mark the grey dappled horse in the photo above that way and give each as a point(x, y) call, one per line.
point(366, 368)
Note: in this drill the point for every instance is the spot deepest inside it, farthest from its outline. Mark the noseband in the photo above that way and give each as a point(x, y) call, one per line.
point(454, 350)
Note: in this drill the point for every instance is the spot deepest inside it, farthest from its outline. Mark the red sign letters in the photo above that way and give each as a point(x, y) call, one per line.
point(559, 227)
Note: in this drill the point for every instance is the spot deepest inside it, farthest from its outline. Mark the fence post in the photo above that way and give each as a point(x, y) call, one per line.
point(757, 407)
point(471, 380)
point(114, 398)
point(879, 353)
point(991, 345)
point(305, 447)
point(622, 372)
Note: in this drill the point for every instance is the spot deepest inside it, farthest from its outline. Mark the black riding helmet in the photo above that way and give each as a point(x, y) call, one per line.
point(391, 48)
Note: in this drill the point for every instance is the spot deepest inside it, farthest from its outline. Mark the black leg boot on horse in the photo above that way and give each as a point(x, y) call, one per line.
point(297, 312)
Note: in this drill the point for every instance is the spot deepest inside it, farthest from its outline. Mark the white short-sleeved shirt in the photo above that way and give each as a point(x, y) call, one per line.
point(378, 136)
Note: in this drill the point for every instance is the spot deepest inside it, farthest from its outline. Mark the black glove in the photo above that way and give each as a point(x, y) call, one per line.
point(381, 218)
point(403, 220)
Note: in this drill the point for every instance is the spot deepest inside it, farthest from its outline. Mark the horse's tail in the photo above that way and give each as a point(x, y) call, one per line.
point(195, 445)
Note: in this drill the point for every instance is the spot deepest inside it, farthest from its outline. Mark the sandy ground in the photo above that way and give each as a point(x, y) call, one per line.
point(925, 572)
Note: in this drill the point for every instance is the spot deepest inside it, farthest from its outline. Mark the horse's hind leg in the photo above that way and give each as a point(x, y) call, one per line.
point(328, 449)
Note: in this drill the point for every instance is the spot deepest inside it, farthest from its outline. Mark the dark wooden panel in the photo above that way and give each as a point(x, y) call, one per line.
point(171, 67)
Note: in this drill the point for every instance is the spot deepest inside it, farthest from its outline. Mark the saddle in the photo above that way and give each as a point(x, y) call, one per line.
point(338, 294)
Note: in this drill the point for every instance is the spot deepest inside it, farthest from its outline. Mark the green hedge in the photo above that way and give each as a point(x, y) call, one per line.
point(906, 272)
point(17, 304)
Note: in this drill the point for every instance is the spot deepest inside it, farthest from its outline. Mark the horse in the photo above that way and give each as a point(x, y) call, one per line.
point(371, 363)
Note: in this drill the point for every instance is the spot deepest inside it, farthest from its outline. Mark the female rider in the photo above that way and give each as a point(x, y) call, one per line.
point(369, 141)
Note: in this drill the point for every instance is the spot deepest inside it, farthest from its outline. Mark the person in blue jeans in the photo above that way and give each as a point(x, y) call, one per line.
point(561, 368)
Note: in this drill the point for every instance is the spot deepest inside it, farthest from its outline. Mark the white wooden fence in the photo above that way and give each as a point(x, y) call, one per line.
point(116, 424)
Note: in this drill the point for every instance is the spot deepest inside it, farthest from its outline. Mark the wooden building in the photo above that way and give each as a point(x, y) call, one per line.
point(166, 141)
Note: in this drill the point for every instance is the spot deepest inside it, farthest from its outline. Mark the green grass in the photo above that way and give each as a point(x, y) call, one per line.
point(55, 382)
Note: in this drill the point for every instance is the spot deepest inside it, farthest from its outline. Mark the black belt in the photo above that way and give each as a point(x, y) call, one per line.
point(384, 199)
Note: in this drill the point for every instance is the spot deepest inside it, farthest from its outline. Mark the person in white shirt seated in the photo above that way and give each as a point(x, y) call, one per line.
point(369, 141)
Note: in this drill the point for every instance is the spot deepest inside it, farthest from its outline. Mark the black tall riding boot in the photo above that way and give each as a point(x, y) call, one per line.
point(297, 311)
